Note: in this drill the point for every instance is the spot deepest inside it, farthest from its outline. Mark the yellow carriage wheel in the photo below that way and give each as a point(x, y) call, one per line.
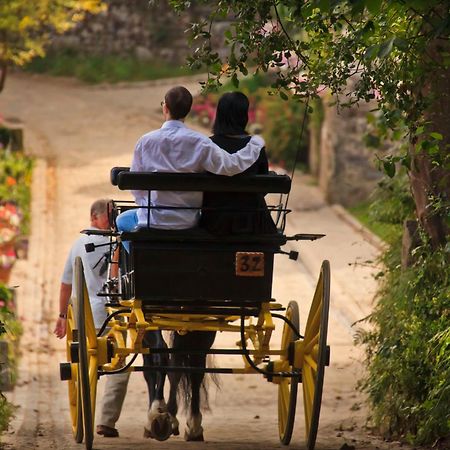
point(287, 388)
point(88, 363)
point(76, 413)
point(316, 354)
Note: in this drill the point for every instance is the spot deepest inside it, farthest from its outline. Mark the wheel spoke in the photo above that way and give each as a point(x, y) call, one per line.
point(308, 392)
point(287, 389)
point(283, 394)
point(87, 357)
point(310, 361)
point(315, 355)
point(313, 325)
point(311, 343)
point(73, 384)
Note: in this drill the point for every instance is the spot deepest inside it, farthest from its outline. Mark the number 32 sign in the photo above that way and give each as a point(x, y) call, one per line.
point(249, 264)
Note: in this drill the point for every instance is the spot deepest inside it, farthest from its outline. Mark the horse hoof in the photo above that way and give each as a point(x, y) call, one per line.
point(192, 438)
point(175, 425)
point(161, 427)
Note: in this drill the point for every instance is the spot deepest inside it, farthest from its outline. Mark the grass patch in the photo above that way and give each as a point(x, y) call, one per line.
point(385, 231)
point(110, 68)
point(6, 413)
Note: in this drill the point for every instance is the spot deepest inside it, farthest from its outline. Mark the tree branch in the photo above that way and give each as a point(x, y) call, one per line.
point(300, 55)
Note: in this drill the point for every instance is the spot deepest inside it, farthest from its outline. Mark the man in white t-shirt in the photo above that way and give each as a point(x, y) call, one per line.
point(94, 266)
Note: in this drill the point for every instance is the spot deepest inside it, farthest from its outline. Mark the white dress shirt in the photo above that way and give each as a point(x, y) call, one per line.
point(176, 148)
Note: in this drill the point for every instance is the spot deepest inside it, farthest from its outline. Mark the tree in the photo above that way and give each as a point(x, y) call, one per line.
point(26, 27)
point(395, 51)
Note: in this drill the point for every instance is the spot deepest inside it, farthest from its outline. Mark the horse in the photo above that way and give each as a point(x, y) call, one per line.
point(162, 419)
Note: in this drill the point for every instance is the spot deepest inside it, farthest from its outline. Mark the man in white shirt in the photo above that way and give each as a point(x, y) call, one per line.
point(176, 148)
point(94, 266)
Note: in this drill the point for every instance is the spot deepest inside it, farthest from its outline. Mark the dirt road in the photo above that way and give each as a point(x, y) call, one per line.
point(77, 133)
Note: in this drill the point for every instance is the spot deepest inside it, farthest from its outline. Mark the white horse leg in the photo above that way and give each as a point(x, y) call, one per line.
point(194, 429)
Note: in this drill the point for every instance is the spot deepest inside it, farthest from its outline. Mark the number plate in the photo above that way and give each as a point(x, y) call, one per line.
point(249, 264)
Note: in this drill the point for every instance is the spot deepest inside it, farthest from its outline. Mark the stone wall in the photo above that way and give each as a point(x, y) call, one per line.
point(342, 162)
point(135, 28)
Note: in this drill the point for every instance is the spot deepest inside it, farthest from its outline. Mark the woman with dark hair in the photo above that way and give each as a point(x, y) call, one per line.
point(236, 213)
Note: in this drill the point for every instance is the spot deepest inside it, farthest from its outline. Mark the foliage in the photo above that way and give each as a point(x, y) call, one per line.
point(281, 130)
point(396, 53)
point(385, 231)
point(391, 204)
point(361, 50)
point(408, 350)
point(25, 27)
point(10, 330)
point(103, 68)
point(15, 183)
point(6, 412)
point(388, 207)
point(13, 328)
point(278, 122)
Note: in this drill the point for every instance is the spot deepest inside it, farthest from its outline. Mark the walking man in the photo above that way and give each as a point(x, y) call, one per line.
point(94, 265)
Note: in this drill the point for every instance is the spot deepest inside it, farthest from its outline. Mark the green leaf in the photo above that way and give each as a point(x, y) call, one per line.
point(420, 130)
point(406, 162)
point(372, 140)
point(283, 95)
point(433, 149)
point(323, 5)
point(371, 52)
point(437, 136)
point(386, 48)
point(373, 6)
point(389, 168)
point(235, 81)
point(401, 43)
point(357, 7)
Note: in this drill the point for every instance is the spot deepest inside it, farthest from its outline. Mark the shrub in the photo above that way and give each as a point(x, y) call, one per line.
point(408, 348)
point(282, 123)
point(15, 183)
point(103, 68)
point(6, 412)
point(10, 331)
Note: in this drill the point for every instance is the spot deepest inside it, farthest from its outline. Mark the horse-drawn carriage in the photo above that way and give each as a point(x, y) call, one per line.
point(190, 281)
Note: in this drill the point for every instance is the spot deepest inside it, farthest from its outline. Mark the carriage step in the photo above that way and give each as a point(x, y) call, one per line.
point(65, 371)
point(74, 356)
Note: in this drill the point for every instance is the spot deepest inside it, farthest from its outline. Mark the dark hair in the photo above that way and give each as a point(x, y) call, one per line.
point(232, 114)
point(179, 101)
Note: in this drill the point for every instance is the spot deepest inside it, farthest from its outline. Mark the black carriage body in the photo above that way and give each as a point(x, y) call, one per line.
point(198, 271)
point(194, 265)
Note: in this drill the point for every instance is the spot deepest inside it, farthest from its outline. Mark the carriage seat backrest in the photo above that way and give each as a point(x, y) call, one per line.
point(200, 182)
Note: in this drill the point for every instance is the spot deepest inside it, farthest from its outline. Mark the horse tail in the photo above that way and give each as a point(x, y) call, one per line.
point(188, 380)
